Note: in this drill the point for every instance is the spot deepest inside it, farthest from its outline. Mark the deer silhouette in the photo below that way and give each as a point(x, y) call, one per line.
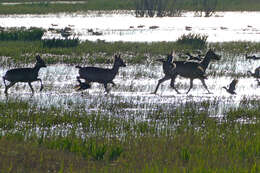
point(100, 75)
point(28, 75)
point(193, 70)
point(168, 70)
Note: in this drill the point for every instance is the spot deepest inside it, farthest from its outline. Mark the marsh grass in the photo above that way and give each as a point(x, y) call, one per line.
point(21, 34)
point(20, 52)
point(63, 43)
point(42, 7)
point(76, 141)
point(46, 7)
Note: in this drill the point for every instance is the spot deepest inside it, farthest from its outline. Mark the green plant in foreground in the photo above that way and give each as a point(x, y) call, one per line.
point(179, 140)
point(115, 152)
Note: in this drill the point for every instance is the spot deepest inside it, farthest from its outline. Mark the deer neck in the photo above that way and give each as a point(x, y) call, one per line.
point(115, 68)
point(204, 64)
point(36, 68)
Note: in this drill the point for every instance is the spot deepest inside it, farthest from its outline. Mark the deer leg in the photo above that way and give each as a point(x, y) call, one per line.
point(30, 85)
point(105, 85)
point(191, 85)
point(165, 78)
point(172, 84)
point(41, 84)
point(204, 84)
point(78, 79)
point(113, 83)
point(4, 81)
point(9, 86)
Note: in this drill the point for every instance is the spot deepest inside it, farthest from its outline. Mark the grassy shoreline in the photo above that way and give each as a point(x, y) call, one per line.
point(14, 53)
point(44, 7)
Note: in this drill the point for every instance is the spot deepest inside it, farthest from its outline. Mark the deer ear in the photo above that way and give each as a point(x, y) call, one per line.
point(117, 56)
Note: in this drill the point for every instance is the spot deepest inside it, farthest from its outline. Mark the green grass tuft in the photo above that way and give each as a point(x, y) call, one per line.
point(195, 41)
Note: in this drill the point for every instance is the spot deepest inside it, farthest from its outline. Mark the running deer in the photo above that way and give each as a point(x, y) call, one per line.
point(168, 70)
point(24, 75)
point(191, 70)
point(100, 75)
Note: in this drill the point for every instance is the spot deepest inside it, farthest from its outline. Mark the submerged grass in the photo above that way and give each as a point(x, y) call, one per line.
point(35, 139)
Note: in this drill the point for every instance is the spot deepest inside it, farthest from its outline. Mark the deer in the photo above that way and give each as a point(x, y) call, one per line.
point(100, 75)
point(168, 67)
point(28, 75)
point(191, 70)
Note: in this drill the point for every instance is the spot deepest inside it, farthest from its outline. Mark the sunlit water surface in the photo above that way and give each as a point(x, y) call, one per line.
point(124, 26)
point(135, 83)
point(134, 87)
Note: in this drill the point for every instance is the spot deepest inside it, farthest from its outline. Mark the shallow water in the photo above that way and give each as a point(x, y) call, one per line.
point(124, 26)
point(132, 95)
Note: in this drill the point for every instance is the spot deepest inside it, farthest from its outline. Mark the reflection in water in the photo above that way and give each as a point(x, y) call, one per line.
point(123, 26)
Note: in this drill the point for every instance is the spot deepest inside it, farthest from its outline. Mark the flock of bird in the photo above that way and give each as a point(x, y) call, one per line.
point(192, 68)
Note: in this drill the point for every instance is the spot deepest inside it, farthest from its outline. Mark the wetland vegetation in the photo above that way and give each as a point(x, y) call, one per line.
point(71, 138)
point(93, 132)
point(45, 7)
point(14, 53)
point(20, 45)
point(36, 139)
